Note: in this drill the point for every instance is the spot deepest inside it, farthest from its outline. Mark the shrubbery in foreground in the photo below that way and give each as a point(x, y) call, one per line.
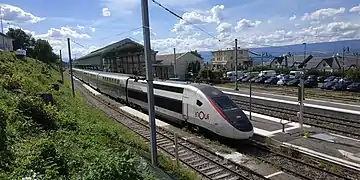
point(66, 140)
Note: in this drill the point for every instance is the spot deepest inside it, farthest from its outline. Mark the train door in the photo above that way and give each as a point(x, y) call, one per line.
point(187, 108)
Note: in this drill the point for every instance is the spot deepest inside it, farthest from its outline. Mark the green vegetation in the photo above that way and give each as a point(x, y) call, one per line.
point(39, 49)
point(65, 139)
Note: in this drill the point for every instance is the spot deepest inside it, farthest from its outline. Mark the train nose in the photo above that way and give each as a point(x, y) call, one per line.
point(240, 121)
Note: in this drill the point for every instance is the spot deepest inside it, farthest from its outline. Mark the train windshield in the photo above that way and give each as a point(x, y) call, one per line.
point(224, 103)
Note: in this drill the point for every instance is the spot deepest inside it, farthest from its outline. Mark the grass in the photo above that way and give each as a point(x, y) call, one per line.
point(66, 140)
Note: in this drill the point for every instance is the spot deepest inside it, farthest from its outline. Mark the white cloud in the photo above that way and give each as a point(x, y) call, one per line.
point(269, 21)
point(214, 15)
point(63, 32)
point(355, 9)
point(292, 17)
point(152, 33)
point(80, 27)
point(106, 12)
point(92, 29)
point(322, 14)
point(18, 15)
point(333, 31)
point(224, 27)
point(246, 24)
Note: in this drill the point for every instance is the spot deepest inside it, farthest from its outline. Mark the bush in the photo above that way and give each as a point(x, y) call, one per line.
point(69, 140)
point(353, 74)
point(39, 157)
point(33, 107)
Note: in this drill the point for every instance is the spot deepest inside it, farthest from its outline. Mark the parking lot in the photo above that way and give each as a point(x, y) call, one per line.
point(330, 87)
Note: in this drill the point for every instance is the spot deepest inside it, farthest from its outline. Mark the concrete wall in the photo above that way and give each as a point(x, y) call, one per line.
point(7, 43)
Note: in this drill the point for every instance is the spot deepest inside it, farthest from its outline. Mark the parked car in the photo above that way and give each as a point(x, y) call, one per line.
point(272, 80)
point(247, 79)
point(321, 78)
point(293, 82)
point(328, 85)
point(342, 85)
point(311, 83)
point(261, 79)
point(254, 79)
point(283, 80)
point(280, 76)
point(267, 73)
point(337, 79)
point(312, 77)
point(354, 87)
point(330, 78)
point(296, 74)
point(242, 77)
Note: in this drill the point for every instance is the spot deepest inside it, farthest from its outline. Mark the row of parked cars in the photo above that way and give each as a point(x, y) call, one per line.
point(293, 79)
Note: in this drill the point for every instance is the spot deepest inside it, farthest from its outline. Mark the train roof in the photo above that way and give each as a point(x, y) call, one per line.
point(205, 88)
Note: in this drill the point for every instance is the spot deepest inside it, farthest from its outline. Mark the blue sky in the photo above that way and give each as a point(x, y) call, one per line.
point(253, 22)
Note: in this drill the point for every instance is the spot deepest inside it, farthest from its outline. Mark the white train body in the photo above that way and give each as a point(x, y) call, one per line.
point(197, 104)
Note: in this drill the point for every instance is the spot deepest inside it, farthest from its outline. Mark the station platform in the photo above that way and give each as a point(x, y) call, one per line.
point(342, 150)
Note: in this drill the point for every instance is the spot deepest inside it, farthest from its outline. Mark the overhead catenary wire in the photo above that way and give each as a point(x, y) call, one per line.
point(173, 13)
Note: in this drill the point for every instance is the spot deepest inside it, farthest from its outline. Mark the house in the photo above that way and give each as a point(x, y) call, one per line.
point(330, 64)
point(125, 56)
point(6, 43)
point(225, 59)
point(168, 67)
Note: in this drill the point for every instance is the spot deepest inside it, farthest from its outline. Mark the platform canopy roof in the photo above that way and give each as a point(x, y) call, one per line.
point(123, 45)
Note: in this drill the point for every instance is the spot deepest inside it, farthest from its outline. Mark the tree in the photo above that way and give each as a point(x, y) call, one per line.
point(21, 39)
point(39, 49)
point(43, 51)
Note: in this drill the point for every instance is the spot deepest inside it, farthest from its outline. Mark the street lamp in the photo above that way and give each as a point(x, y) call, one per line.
point(345, 49)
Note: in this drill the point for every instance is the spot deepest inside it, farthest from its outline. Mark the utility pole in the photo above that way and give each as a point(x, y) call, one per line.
point(236, 73)
point(357, 59)
point(71, 73)
point(301, 93)
point(262, 61)
point(250, 89)
point(345, 49)
point(149, 78)
point(61, 71)
point(174, 62)
point(2, 28)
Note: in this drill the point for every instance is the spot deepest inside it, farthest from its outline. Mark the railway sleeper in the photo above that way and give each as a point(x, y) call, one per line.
point(211, 173)
point(190, 158)
point(208, 167)
point(222, 176)
point(167, 144)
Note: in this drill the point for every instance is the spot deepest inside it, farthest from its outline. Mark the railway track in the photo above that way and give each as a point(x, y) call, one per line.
point(206, 163)
point(344, 126)
point(309, 169)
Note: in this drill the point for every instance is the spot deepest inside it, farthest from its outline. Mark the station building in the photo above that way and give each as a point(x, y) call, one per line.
point(127, 57)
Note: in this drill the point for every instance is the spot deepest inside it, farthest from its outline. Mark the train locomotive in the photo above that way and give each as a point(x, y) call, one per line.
point(198, 104)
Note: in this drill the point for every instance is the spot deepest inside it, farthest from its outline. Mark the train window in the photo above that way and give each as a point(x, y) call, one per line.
point(224, 103)
point(169, 104)
point(199, 103)
point(169, 88)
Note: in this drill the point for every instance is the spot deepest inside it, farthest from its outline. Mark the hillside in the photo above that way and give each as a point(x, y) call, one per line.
point(62, 137)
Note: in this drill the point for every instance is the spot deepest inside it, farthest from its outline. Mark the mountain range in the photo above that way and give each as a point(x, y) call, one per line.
point(323, 49)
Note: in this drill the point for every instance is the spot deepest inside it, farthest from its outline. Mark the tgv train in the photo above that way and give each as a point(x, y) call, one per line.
point(198, 104)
